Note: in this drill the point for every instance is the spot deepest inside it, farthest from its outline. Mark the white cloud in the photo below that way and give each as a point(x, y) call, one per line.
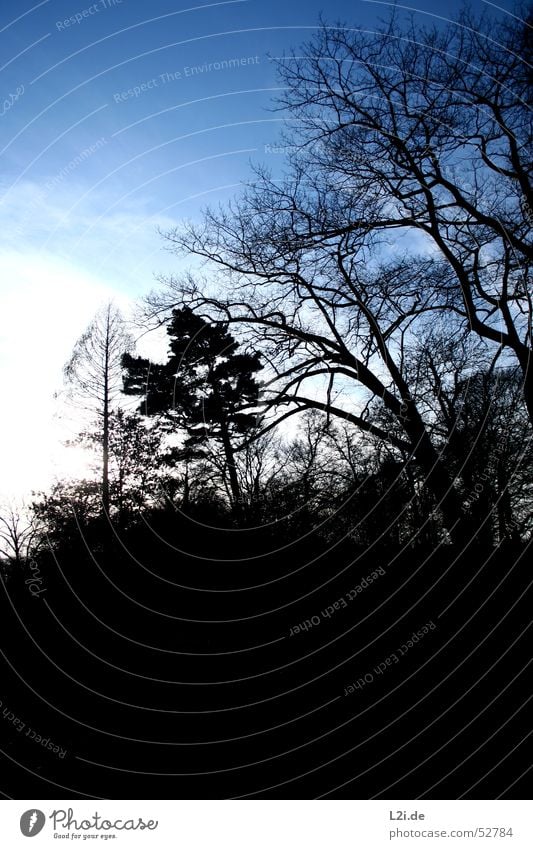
point(62, 254)
point(97, 230)
point(45, 304)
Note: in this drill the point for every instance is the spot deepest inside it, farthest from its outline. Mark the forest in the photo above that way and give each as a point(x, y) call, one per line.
point(298, 565)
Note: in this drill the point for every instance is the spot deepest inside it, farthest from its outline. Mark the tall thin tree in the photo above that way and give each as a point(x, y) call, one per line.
point(94, 375)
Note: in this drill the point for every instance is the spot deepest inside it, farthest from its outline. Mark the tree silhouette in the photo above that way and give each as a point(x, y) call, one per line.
point(427, 133)
point(19, 533)
point(94, 375)
point(394, 139)
point(206, 387)
point(138, 461)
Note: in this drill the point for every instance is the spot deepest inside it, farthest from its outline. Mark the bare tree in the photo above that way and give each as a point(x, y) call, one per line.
point(94, 375)
point(19, 533)
point(427, 133)
point(418, 137)
point(480, 425)
point(332, 330)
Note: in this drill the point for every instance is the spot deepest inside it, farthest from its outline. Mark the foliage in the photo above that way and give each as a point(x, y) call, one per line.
point(206, 387)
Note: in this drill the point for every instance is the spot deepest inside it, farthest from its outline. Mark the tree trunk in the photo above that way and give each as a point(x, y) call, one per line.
point(527, 370)
point(186, 489)
point(105, 434)
point(232, 471)
point(437, 480)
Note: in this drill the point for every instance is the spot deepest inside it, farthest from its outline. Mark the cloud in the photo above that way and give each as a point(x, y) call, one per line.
point(62, 254)
point(113, 237)
point(45, 304)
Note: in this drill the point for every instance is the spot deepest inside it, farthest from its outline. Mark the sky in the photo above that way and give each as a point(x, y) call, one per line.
point(118, 118)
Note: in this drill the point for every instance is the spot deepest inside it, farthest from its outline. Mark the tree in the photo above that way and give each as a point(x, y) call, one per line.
point(491, 445)
point(259, 465)
point(392, 139)
point(427, 133)
point(94, 375)
point(66, 508)
point(19, 533)
point(138, 461)
point(480, 426)
point(203, 387)
point(329, 325)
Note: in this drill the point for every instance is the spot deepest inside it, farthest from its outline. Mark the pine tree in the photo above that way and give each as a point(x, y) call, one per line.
point(206, 387)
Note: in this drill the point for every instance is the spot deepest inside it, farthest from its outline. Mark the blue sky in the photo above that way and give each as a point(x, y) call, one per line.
point(108, 129)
